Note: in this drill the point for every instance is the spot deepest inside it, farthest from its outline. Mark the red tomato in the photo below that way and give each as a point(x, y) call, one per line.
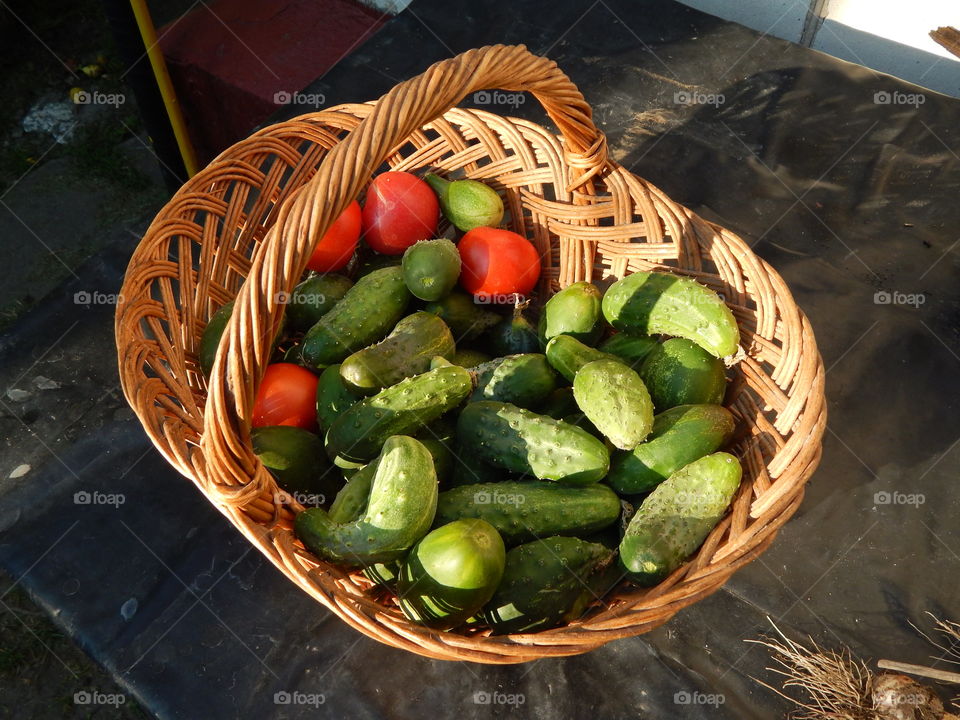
point(287, 396)
point(498, 263)
point(400, 210)
point(337, 244)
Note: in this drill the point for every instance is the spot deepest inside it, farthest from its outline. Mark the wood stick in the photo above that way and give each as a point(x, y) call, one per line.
point(921, 670)
point(949, 37)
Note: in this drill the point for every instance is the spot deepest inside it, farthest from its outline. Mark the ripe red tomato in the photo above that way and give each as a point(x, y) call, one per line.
point(336, 247)
point(400, 210)
point(287, 396)
point(497, 263)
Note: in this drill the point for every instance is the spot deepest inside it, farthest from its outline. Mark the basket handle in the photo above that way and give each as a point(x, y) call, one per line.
point(229, 462)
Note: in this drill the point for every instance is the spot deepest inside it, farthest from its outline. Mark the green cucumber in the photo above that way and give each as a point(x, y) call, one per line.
point(560, 403)
point(401, 409)
point(431, 268)
point(314, 298)
point(439, 439)
point(400, 510)
point(469, 358)
point(567, 355)
point(467, 203)
point(384, 574)
point(523, 380)
point(677, 516)
point(514, 335)
point(405, 352)
point(210, 340)
point(680, 372)
point(615, 400)
point(295, 457)
point(525, 510)
point(631, 348)
point(351, 502)
point(364, 315)
point(680, 435)
point(469, 470)
point(463, 316)
point(573, 311)
point(451, 573)
point(515, 439)
point(656, 303)
point(333, 397)
point(547, 582)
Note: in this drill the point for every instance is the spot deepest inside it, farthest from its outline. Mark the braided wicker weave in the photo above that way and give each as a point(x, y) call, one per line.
point(253, 215)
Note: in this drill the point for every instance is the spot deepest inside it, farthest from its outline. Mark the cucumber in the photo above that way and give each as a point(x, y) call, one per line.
point(521, 441)
point(615, 400)
point(680, 372)
point(369, 261)
point(364, 315)
point(400, 509)
point(677, 516)
point(351, 502)
point(469, 358)
point(333, 397)
point(467, 203)
point(631, 348)
point(296, 459)
point(525, 510)
point(431, 268)
point(451, 573)
point(567, 355)
point(405, 352)
point(314, 298)
point(560, 404)
point(547, 582)
point(647, 303)
point(210, 339)
point(404, 408)
point(523, 380)
point(469, 470)
point(384, 574)
point(680, 435)
point(514, 335)
point(439, 438)
point(573, 311)
point(463, 316)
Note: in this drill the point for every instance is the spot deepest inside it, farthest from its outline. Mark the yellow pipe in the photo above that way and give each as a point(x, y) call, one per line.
point(149, 35)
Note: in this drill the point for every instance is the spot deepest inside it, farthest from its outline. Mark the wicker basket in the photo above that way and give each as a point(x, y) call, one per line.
point(254, 214)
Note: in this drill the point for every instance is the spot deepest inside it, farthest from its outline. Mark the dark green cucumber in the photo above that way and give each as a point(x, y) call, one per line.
point(680, 372)
point(384, 574)
point(370, 261)
point(210, 340)
point(513, 335)
point(400, 509)
point(364, 315)
point(463, 316)
point(439, 438)
point(631, 348)
point(547, 582)
point(656, 303)
point(526, 510)
point(431, 268)
point(615, 400)
point(469, 358)
point(567, 355)
point(680, 435)
point(523, 380)
point(560, 403)
point(515, 439)
point(573, 311)
point(296, 459)
point(469, 470)
point(451, 573)
point(405, 352)
point(333, 397)
point(677, 516)
point(401, 409)
point(314, 298)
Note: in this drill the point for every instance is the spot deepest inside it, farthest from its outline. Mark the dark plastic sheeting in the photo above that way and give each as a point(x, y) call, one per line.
point(849, 199)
